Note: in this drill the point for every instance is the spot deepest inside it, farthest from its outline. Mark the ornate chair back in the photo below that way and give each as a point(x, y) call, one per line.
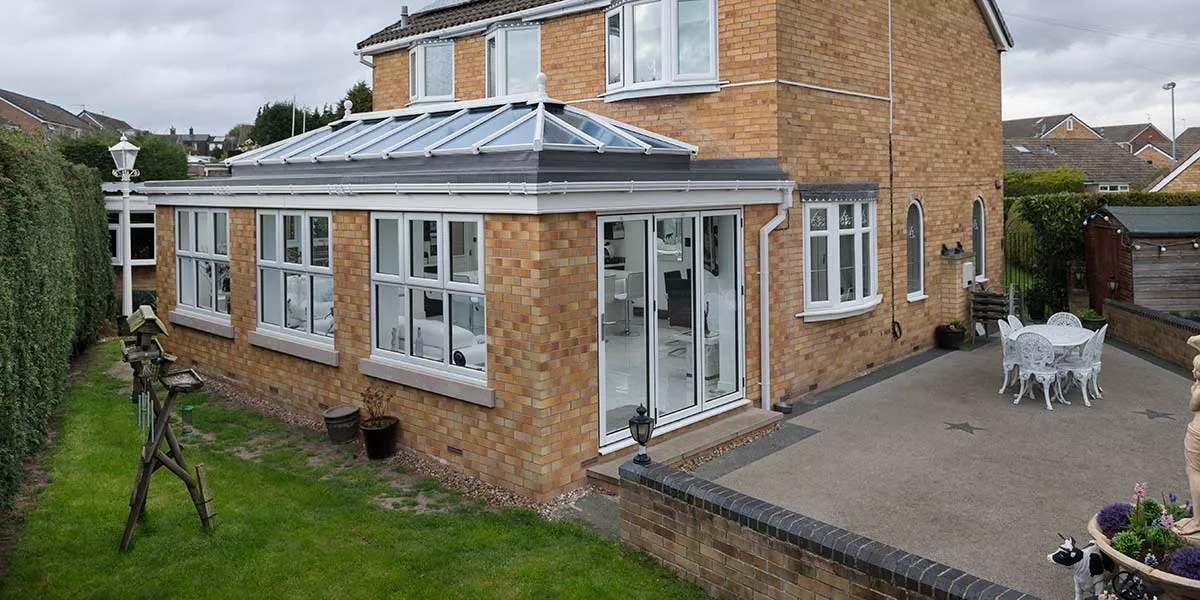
point(1014, 322)
point(1036, 354)
point(1064, 319)
point(1098, 340)
point(1008, 344)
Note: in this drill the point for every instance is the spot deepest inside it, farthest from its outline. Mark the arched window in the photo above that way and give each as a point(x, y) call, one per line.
point(915, 229)
point(979, 237)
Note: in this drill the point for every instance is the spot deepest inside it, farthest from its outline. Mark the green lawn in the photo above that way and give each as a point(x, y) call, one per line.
point(292, 522)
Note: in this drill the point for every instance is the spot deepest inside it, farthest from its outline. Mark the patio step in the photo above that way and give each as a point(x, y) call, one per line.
point(689, 444)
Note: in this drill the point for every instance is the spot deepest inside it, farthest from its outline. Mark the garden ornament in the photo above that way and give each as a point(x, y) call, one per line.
point(1089, 567)
point(1190, 527)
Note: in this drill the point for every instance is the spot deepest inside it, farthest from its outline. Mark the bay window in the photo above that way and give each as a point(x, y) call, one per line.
point(657, 47)
point(839, 260)
point(202, 260)
point(427, 291)
point(431, 71)
point(513, 58)
point(295, 274)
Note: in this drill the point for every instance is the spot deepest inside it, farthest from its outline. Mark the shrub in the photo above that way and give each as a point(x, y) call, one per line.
point(1185, 562)
point(1019, 183)
point(1129, 544)
point(1113, 518)
point(1019, 240)
point(159, 158)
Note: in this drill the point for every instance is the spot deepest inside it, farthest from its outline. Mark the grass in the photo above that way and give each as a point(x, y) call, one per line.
point(287, 527)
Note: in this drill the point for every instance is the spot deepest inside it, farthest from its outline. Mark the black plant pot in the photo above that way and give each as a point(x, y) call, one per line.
point(379, 436)
point(1094, 324)
point(949, 339)
point(341, 423)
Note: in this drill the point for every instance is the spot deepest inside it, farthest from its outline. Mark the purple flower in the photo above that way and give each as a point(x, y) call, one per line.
point(1185, 562)
point(1167, 521)
point(1113, 518)
point(1172, 497)
point(1139, 491)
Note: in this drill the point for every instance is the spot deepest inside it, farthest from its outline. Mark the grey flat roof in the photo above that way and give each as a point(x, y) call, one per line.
point(1166, 221)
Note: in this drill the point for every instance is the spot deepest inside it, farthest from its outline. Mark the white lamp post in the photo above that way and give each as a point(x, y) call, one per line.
point(1170, 85)
point(124, 154)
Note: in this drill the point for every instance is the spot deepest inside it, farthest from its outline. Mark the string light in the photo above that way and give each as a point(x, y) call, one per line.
point(1162, 249)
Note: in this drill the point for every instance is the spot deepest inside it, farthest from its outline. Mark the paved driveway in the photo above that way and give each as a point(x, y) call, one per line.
point(886, 462)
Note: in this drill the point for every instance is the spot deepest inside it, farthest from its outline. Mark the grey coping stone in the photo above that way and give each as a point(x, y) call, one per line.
point(945, 581)
point(929, 579)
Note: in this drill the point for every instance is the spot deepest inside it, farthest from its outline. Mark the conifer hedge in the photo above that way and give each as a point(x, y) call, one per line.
point(56, 288)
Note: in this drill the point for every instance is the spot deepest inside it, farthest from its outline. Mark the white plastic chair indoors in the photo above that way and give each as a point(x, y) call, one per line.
point(1064, 319)
point(1036, 360)
point(1084, 369)
point(1014, 322)
point(1011, 359)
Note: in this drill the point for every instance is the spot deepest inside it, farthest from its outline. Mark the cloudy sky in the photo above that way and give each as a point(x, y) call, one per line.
point(210, 66)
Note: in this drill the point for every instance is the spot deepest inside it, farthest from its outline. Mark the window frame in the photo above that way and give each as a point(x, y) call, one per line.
point(918, 294)
point(442, 283)
point(195, 256)
point(499, 86)
point(833, 307)
point(120, 232)
point(304, 267)
point(980, 250)
point(417, 76)
point(671, 81)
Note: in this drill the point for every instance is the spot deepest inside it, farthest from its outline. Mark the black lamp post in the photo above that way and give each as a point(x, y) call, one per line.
point(640, 426)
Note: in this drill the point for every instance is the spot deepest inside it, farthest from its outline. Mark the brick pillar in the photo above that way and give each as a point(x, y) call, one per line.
point(956, 299)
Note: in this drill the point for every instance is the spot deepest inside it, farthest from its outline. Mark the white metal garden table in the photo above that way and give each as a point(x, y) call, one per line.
point(1063, 338)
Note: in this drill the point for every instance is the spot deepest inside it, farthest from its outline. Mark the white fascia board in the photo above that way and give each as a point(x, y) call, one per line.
point(995, 23)
point(1176, 172)
point(136, 203)
point(549, 11)
point(1152, 147)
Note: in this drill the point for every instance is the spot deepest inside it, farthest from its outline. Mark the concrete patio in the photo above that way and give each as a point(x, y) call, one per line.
point(927, 456)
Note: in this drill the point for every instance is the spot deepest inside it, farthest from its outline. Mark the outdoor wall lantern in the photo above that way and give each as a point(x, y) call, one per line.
point(640, 426)
point(1112, 286)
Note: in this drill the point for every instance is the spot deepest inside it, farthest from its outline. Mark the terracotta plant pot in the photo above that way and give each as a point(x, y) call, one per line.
point(379, 436)
point(949, 339)
point(1174, 587)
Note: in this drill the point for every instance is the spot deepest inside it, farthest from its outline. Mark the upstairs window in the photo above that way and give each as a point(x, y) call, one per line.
point(431, 72)
point(657, 47)
point(513, 59)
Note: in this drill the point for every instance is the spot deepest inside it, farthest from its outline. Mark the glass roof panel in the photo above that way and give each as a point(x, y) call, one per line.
point(444, 129)
point(339, 136)
point(654, 142)
point(553, 133)
point(595, 129)
point(496, 123)
point(296, 142)
point(520, 135)
point(402, 131)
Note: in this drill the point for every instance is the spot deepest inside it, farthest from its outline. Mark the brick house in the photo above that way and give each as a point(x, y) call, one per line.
point(1183, 177)
point(700, 209)
point(1134, 137)
point(104, 122)
point(38, 118)
point(1052, 127)
point(1157, 154)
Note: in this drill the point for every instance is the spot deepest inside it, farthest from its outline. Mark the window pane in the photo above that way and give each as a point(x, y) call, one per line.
point(423, 250)
point(412, 72)
point(141, 240)
point(222, 287)
point(322, 311)
point(439, 70)
point(865, 257)
point(720, 306)
point(221, 233)
point(647, 42)
point(819, 270)
point(490, 59)
point(428, 325)
point(318, 252)
point(521, 60)
point(845, 216)
point(112, 243)
point(847, 291)
point(817, 219)
point(187, 281)
point(468, 344)
point(203, 233)
point(695, 41)
point(977, 236)
point(267, 237)
point(391, 318)
point(183, 231)
point(292, 250)
point(914, 249)
point(296, 301)
point(204, 284)
point(615, 55)
point(145, 218)
point(271, 298)
point(464, 251)
point(866, 214)
point(114, 217)
point(387, 246)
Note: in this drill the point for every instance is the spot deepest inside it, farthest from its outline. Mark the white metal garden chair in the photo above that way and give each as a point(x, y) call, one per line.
point(1085, 368)
point(1011, 359)
point(1036, 360)
point(1014, 322)
point(1064, 319)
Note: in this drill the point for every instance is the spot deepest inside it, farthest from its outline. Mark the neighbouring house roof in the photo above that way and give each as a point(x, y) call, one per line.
point(1181, 165)
point(103, 121)
point(1187, 142)
point(1166, 221)
point(1159, 146)
point(1100, 160)
point(41, 110)
point(1033, 127)
point(1122, 133)
point(445, 14)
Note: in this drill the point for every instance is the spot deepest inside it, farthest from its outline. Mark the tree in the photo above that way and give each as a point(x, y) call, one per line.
point(360, 95)
point(274, 122)
point(160, 158)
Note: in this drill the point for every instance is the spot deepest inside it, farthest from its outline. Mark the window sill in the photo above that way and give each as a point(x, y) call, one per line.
point(917, 297)
point(844, 311)
point(981, 279)
point(294, 346)
point(204, 323)
point(429, 380)
point(663, 89)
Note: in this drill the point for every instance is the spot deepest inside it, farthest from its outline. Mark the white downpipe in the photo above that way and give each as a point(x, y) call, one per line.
point(764, 298)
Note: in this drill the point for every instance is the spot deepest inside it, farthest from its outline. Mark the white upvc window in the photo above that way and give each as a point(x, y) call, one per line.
point(427, 296)
point(202, 261)
point(979, 238)
point(657, 47)
point(431, 71)
point(141, 237)
point(1114, 187)
point(915, 252)
point(513, 59)
point(840, 256)
point(295, 273)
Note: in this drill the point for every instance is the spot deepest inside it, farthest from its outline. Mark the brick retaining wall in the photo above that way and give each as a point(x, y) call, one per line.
point(735, 546)
point(1161, 334)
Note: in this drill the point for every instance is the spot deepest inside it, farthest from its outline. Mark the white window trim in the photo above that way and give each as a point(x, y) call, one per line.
point(442, 283)
point(304, 267)
point(834, 308)
point(499, 85)
point(919, 294)
point(137, 262)
point(1113, 188)
point(211, 314)
point(1070, 124)
point(981, 252)
point(416, 73)
point(672, 82)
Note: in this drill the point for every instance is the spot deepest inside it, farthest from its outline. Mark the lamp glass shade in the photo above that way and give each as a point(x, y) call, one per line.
point(124, 154)
point(641, 426)
point(1112, 284)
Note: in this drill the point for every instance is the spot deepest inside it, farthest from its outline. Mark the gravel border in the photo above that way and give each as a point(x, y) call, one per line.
point(691, 464)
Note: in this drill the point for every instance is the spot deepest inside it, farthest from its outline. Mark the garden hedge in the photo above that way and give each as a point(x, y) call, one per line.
point(56, 288)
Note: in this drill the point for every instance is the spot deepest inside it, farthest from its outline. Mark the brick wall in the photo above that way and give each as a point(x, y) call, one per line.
point(1079, 132)
point(1151, 154)
point(1160, 334)
point(28, 124)
point(1187, 181)
point(735, 546)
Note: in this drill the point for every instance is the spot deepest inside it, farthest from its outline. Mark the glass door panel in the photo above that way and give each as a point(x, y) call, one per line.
point(675, 348)
point(720, 306)
point(625, 340)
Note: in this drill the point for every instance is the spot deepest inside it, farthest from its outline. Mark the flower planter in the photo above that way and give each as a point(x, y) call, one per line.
point(1093, 324)
point(1174, 587)
point(949, 339)
point(341, 423)
point(379, 436)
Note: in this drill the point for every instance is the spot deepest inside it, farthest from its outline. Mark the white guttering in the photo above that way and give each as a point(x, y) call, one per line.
point(764, 298)
point(548, 11)
point(553, 187)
